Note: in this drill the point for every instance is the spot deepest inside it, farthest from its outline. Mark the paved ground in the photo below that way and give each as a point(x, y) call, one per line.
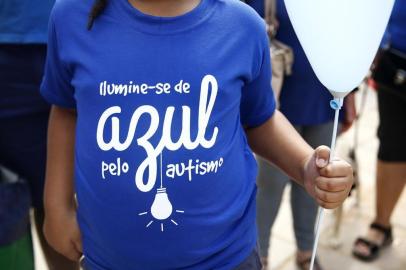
point(355, 220)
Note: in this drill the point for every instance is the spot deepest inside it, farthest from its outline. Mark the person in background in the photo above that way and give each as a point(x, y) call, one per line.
point(23, 112)
point(390, 79)
point(305, 102)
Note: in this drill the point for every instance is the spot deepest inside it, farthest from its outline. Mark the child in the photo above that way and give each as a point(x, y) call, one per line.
point(157, 105)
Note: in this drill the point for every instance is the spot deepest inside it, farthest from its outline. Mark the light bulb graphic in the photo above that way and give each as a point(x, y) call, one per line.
point(161, 207)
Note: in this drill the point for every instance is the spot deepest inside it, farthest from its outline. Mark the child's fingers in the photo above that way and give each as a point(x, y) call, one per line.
point(333, 184)
point(337, 168)
point(327, 205)
point(331, 197)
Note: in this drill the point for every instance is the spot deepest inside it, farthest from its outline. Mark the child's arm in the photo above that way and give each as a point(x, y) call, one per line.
point(60, 228)
point(277, 141)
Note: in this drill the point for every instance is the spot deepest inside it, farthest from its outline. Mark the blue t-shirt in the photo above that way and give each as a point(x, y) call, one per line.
point(24, 21)
point(396, 32)
point(164, 176)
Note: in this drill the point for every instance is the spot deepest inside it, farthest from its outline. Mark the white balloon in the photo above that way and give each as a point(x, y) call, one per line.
point(340, 37)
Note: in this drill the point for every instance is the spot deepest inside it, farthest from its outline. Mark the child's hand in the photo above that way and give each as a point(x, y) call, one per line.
point(328, 183)
point(62, 232)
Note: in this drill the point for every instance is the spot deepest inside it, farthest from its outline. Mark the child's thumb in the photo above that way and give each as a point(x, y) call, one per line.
point(322, 154)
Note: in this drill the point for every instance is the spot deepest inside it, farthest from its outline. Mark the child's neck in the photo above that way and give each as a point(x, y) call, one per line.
point(164, 8)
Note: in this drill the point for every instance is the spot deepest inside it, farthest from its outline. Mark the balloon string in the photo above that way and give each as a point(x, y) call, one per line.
point(336, 104)
point(320, 218)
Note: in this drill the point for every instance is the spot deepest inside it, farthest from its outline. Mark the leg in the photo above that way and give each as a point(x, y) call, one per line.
point(271, 183)
point(304, 207)
point(390, 180)
point(391, 172)
point(391, 165)
point(304, 210)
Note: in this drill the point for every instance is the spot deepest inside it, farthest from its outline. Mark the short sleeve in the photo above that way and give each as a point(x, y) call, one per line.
point(56, 85)
point(257, 101)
